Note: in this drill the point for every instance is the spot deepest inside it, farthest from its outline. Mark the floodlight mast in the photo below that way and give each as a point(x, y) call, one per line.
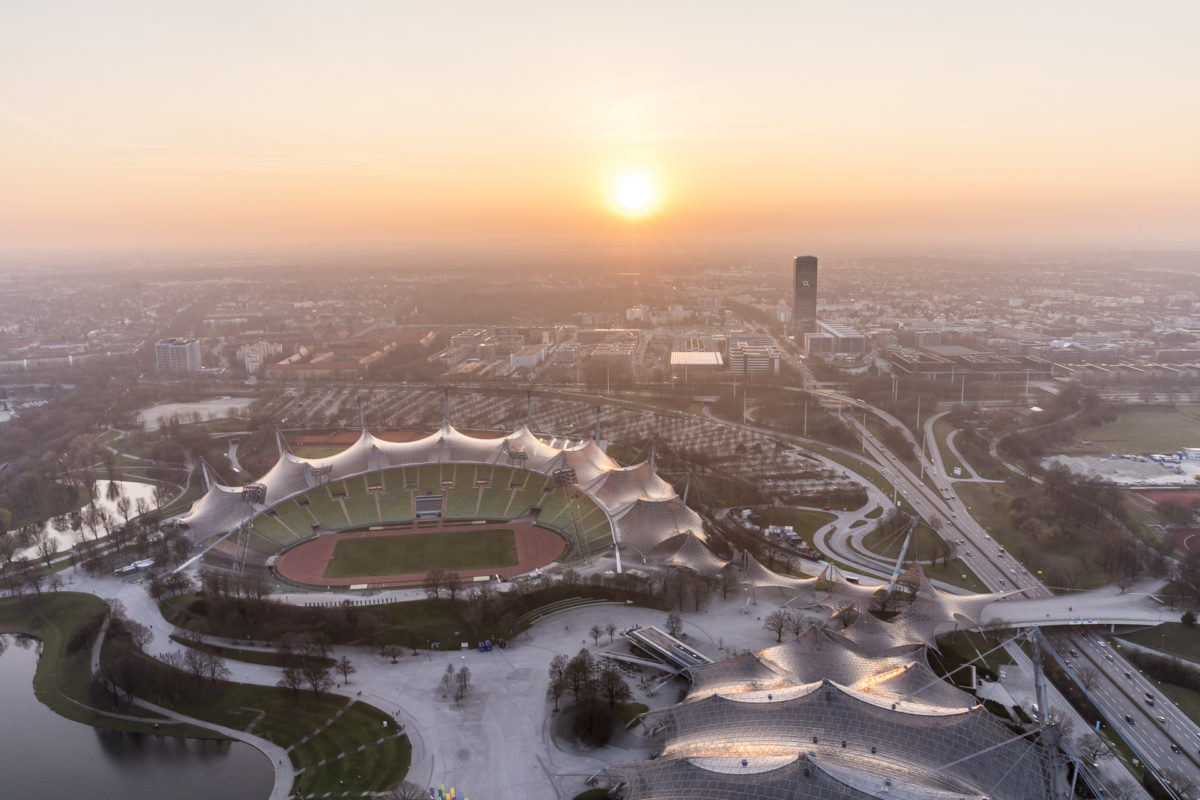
point(252, 494)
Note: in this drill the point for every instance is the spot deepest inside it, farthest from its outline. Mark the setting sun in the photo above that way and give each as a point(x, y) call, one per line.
point(634, 194)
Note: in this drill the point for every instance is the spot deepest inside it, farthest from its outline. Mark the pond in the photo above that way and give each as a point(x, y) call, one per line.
point(45, 755)
point(156, 416)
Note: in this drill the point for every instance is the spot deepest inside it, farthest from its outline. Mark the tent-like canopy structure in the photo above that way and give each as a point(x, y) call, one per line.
point(643, 509)
point(813, 718)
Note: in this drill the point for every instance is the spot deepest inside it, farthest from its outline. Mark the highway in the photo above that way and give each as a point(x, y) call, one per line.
point(1001, 572)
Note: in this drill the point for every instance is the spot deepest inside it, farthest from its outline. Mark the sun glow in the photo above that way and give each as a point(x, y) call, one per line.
point(634, 194)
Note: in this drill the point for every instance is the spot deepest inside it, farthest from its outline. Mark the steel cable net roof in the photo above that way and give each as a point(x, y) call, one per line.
point(686, 551)
point(931, 613)
point(648, 510)
point(852, 744)
point(817, 655)
point(621, 486)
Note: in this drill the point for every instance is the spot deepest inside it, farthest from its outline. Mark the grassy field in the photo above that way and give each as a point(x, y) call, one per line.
point(988, 503)
point(803, 520)
point(67, 624)
point(1159, 430)
point(411, 553)
point(340, 746)
point(888, 544)
point(941, 430)
point(1171, 637)
point(974, 450)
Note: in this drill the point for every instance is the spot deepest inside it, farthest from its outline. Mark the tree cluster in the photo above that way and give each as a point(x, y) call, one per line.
point(596, 690)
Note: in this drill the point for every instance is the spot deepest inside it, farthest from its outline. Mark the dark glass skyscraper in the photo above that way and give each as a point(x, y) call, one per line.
point(804, 313)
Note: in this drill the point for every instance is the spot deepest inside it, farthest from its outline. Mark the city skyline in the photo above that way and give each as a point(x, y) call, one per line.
point(474, 126)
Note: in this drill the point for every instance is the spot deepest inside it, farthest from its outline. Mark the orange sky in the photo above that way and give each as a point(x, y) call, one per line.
point(815, 124)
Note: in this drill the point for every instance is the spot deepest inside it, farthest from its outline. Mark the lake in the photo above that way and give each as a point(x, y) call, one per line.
point(46, 756)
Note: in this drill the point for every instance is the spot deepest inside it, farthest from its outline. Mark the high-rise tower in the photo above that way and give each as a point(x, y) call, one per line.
point(804, 313)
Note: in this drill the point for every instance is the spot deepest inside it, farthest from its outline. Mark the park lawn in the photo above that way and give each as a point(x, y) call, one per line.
point(941, 431)
point(1170, 637)
point(1158, 430)
point(956, 573)
point(974, 449)
point(270, 658)
point(803, 520)
point(887, 544)
point(67, 623)
point(284, 718)
point(988, 503)
point(416, 553)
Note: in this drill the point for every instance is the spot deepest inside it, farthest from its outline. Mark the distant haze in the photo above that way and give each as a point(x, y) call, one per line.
point(467, 127)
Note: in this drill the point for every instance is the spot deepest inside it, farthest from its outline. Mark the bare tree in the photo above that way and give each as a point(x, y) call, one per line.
point(558, 678)
point(435, 580)
point(796, 624)
point(674, 623)
point(596, 632)
point(316, 675)
point(777, 623)
point(463, 681)
point(346, 668)
point(391, 651)
point(1087, 676)
point(610, 629)
point(407, 790)
point(613, 687)
point(1092, 748)
point(47, 546)
point(292, 680)
point(454, 584)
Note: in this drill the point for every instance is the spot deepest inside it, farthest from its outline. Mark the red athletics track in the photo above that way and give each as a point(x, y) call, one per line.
point(1185, 497)
point(305, 563)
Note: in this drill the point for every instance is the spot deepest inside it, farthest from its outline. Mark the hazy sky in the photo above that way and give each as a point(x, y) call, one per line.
point(806, 124)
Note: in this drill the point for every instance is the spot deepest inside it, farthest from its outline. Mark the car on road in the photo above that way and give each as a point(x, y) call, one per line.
point(1149, 696)
point(1175, 748)
point(1129, 674)
point(1074, 653)
point(1161, 719)
point(1129, 719)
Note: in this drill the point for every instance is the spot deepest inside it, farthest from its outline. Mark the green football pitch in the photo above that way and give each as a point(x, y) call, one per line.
point(418, 553)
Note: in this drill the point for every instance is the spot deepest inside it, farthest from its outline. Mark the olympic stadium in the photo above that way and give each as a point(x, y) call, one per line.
point(478, 506)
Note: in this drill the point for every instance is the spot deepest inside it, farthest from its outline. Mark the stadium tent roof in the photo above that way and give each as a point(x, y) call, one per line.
point(854, 741)
point(686, 551)
point(621, 486)
point(588, 461)
point(651, 511)
point(221, 508)
point(816, 655)
point(645, 523)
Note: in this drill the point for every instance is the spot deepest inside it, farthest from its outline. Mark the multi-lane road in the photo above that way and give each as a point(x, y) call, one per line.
point(1116, 695)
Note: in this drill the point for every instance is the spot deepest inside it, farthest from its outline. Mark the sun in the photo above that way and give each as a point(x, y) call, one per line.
point(634, 194)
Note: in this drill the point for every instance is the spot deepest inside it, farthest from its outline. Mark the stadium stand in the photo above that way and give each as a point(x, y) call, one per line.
point(462, 503)
point(361, 507)
point(325, 510)
point(396, 506)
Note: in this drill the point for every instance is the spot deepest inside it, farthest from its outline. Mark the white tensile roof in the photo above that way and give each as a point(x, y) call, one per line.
point(643, 507)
